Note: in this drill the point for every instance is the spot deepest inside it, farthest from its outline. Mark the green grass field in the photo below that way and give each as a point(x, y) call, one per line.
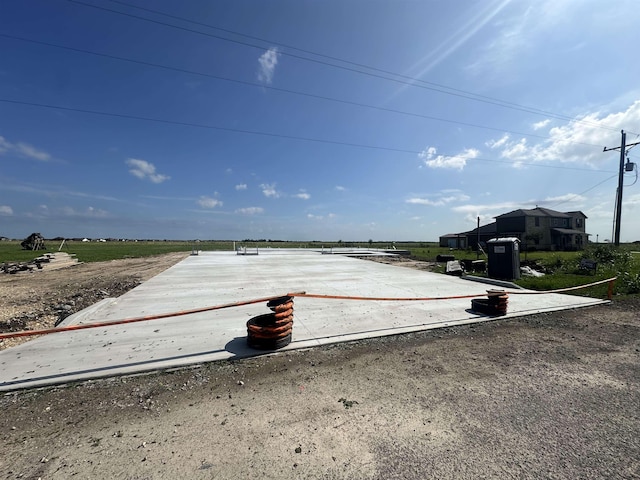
point(99, 252)
point(562, 267)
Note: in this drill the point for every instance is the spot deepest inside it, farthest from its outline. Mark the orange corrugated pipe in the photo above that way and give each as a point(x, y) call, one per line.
point(29, 333)
point(68, 328)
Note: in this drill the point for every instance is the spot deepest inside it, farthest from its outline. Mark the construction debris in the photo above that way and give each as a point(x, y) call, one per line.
point(35, 241)
point(51, 260)
point(454, 268)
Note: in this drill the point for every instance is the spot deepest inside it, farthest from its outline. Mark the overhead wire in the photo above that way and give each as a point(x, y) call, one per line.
point(582, 193)
point(278, 89)
point(466, 95)
point(349, 62)
point(269, 134)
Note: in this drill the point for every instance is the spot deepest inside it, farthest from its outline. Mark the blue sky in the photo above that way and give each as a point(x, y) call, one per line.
point(303, 120)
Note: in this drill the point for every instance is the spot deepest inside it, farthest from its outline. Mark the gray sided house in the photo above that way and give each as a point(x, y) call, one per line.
point(544, 229)
point(482, 235)
point(454, 240)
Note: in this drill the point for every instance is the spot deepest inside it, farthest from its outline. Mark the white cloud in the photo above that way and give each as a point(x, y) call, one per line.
point(250, 210)
point(572, 198)
point(340, 188)
point(458, 162)
point(267, 61)
point(487, 212)
point(541, 124)
point(500, 208)
point(269, 190)
point(6, 210)
point(241, 186)
point(498, 143)
point(303, 195)
point(441, 199)
point(145, 170)
point(428, 153)
point(329, 216)
point(208, 202)
point(88, 212)
point(579, 141)
point(24, 150)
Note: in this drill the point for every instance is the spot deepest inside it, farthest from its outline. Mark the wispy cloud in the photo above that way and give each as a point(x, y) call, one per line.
point(269, 190)
point(209, 202)
point(328, 216)
point(541, 124)
point(23, 150)
point(267, 65)
point(89, 212)
point(302, 195)
point(440, 199)
point(163, 197)
point(6, 210)
point(340, 188)
point(486, 212)
point(432, 160)
point(250, 210)
point(56, 191)
point(241, 186)
point(145, 170)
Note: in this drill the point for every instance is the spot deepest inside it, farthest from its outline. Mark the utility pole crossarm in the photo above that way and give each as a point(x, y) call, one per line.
point(616, 148)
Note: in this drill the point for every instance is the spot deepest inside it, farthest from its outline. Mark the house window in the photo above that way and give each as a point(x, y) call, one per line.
point(537, 221)
point(578, 222)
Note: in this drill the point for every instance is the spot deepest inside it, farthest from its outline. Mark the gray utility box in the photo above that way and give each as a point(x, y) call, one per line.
point(504, 258)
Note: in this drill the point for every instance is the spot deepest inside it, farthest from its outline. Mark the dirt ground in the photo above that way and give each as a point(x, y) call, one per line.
point(38, 299)
point(553, 396)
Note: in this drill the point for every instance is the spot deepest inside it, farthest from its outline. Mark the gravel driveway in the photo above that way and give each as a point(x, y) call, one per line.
point(548, 396)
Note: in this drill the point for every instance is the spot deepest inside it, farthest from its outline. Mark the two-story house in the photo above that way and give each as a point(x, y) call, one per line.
point(544, 229)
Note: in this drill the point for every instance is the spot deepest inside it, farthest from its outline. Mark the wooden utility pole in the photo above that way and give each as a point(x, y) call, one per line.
point(478, 241)
point(623, 147)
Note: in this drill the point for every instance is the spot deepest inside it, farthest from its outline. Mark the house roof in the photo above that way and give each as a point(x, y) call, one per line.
point(488, 229)
point(538, 212)
point(576, 213)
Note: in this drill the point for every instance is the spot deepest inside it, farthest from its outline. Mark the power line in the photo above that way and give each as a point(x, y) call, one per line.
point(283, 90)
point(466, 95)
point(582, 193)
point(270, 134)
point(349, 62)
point(322, 55)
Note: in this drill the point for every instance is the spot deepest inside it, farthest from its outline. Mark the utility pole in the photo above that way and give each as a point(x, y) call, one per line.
point(478, 241)
point(623, 147)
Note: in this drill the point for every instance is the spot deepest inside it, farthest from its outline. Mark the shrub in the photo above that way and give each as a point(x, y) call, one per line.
point(608, 256)
point(554, 264)
point(628, 283)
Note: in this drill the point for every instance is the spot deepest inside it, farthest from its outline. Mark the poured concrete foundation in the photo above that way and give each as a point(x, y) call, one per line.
point(214, 278)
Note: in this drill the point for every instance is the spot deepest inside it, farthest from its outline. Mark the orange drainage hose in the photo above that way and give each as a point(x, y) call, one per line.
point(511, 292)
point(68, 328)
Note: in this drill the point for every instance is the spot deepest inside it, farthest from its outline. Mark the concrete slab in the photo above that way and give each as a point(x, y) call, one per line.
point(214, 278)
